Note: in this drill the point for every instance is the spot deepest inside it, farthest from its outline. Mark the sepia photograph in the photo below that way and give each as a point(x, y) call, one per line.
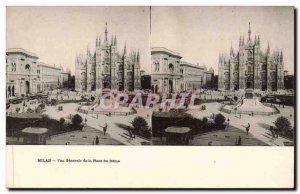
point(150, 97)
point(206, 76)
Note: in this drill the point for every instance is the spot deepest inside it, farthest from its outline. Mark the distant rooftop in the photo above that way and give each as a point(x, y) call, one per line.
point(35, 130)
point(47, 65)
point(177, 130)
point(163, 49)
point(191, 65)
point(22, 51)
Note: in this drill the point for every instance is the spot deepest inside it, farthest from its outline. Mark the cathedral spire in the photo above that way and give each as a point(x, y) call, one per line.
point(106, 31)
point(138, 56)
point(243, 41)
point(231, 50)
point(240, 41)
point(268, 49)
point(99, 41)
point(115, 41)
point(258, 40)
point(88, 51)
point(112, 40)
point(125, 50)
point(249, 32)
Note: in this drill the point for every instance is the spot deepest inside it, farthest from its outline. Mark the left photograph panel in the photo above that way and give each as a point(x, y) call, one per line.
point(77, 75)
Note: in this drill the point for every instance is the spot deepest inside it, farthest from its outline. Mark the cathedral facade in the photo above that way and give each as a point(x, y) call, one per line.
point(106, 68)
point(250, 67)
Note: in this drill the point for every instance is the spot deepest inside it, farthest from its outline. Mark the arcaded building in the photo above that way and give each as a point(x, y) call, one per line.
point(169, 74)
point(21, 72)
point(251, 67)
point(25, 75)
point(48, 77)
point(107, 68)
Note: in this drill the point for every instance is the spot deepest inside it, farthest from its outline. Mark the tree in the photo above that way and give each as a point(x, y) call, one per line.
point(219, 119)
point(283, 125)
point(140, 126)
point(29, 110)
point(61, 121)
point(76, 120)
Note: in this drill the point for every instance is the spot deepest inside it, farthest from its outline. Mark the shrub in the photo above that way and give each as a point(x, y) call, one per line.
point(204, 120)
point(38, 109)
point(76, 120)
point(54, 102)
point(219, 119)
point(18, 109)
point(42, 106)
point(29, 110)
point(140, 126)
point(283, 125)
point(61, 120)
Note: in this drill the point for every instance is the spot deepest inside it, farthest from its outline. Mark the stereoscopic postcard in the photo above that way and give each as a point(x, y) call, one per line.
point(150, 97)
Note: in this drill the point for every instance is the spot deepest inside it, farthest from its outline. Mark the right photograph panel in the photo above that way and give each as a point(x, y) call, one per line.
point(224, 76)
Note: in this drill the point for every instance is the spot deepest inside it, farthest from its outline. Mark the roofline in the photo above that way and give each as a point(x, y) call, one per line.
point(184, 63)
point(46, 65)
point(165, 50)
point(22, 51)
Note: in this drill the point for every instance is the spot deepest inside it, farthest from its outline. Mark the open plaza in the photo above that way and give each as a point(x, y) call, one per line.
point(119, 84)
point(119, 120)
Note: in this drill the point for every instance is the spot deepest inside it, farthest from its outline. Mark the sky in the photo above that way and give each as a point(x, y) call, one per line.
point(200, 34)
point(56, 34)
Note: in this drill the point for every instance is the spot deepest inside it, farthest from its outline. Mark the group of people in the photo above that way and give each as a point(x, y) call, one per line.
point(131, 133)
point(96, 140)
point(274, 132)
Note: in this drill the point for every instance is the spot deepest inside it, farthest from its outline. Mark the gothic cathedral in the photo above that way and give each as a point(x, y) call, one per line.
point(107, 68)
point(250, 67)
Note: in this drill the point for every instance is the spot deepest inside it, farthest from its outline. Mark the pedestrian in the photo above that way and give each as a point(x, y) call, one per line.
point(105, 128)
point(85, 120)
point(248, 128)
point(240, 115)
point(133, 132)
point(240, 141)
point(228, 120)
point(291, 116)
point(276, 133)
point(97, 140)
point(130, 135)
point(273, 132)
point(147, 116)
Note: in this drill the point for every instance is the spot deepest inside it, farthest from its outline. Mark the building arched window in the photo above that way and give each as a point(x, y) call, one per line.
point(171, 68)
point(156, 66)
point(13, 67)
point(27, 68)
